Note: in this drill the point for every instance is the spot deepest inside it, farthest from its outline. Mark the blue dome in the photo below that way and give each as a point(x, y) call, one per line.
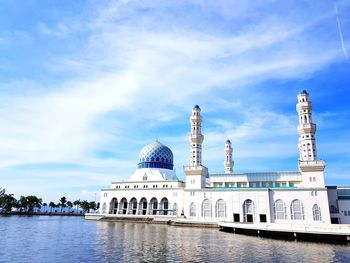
point(228, 141)
point(196, 107)
point(304, 92)
point(156, 155)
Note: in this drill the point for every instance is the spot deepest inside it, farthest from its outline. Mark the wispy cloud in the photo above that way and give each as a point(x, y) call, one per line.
point(132, 70)
point(341, 33)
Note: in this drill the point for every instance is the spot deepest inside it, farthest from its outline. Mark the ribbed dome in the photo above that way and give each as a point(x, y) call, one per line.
point(156, 155)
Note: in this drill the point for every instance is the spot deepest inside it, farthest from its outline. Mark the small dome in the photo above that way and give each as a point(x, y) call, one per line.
point(156, 155)
point(196, 107)
point(228, 141)
point(304, 92)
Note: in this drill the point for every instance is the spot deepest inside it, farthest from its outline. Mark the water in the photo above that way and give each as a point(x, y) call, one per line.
point(72, 239)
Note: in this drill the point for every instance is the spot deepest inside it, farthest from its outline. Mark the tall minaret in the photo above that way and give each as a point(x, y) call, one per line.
point(196, 173)
point(310, 167)
point(196, 138)
point(306, 129)
point(228, 163)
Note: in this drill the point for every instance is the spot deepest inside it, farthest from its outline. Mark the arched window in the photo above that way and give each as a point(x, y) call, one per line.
point(123, 207)
point(132, 206)
point(143, 206)
point(248, 211)
point(220, 208)
point(280, 210)
point(104, 208)
point(113, 206)
point(164, 206)
point(206, 208)
point(153, 206)
point(297, 210)
point(316, 212)
point(175, 209)
point(145, 177)
point(192, 210)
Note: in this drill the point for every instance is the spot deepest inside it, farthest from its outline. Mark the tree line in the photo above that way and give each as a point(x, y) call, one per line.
point(28, 204)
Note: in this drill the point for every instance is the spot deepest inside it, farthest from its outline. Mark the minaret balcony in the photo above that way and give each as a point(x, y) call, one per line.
point(307, 128)
point(306, 105)
point(196, 170)
point(312, 166)
point(196, 138)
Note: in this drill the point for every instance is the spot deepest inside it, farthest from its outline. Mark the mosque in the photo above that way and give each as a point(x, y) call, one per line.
point(273, 197)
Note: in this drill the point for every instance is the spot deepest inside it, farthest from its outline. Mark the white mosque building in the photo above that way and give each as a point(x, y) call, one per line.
point(272, 197)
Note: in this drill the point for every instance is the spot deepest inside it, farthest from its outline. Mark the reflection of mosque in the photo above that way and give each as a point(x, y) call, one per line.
point(281, 197)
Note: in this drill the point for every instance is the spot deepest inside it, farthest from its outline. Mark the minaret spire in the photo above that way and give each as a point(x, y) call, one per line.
point(196, 173)
point(196, 138)
point(306, 129)
point(311, 168)
point(228, 163)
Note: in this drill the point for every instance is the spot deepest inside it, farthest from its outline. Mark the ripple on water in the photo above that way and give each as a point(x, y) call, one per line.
point(72, 239)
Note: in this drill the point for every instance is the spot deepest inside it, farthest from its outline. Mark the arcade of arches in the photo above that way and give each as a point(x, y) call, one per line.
point(141, 207)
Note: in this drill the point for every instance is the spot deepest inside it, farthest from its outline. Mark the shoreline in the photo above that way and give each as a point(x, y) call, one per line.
point(39, 214)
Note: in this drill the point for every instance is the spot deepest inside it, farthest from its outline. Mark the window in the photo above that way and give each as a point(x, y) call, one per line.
point(220, 208)
point(175, 209)
point(297, 210)
point(248, 211)
point(280, 210)
point(145, 177)
point(316, 212)
point(192, 210)
point(104, 208)
point(206, 208)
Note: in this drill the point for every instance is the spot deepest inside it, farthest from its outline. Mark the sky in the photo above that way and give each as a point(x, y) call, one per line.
point(84, 85)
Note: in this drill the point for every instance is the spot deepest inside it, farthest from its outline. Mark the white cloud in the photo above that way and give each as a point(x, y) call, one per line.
point(147, 67)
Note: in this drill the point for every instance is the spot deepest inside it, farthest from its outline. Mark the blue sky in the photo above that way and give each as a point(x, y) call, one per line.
point(84, 85)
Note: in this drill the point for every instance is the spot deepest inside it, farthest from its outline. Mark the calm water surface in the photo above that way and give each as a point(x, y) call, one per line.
point(72, 239)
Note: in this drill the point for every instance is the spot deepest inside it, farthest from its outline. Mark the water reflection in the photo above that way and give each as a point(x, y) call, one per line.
point(158, 243)
point(72, 239)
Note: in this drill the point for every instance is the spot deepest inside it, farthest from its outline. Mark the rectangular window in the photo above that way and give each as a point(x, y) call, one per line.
point(235, 217)
point(263, 219)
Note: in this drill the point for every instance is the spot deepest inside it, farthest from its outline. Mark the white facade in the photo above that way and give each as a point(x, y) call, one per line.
point(272, 197)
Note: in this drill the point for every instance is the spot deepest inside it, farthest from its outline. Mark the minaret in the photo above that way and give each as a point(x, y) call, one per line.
point(310, 167)
point(196, 173)
point(306, 129)
point(196, 138)
point(228, 163)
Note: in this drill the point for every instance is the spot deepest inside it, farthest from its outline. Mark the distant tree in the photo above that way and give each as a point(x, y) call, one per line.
point(7, 201)
point(52, 205)
point(63, 202)
point(77, 204)
point(92, 205)
point(44, 205)
point(22, 204)
point(28, 203)
point(85, 206)
point(70, 205)
point(33, 202)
